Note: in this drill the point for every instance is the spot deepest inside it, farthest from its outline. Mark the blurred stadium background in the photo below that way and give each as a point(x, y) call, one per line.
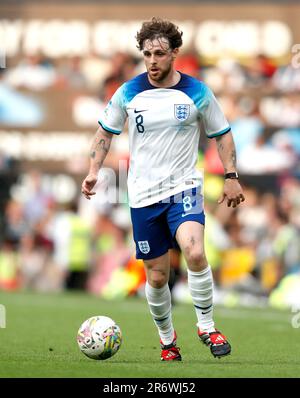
point(63, 60)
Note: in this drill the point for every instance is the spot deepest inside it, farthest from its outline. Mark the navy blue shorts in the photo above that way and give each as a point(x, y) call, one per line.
point(155, 226)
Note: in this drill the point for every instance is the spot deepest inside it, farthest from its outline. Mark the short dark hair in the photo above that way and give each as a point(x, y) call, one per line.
point(158, 28)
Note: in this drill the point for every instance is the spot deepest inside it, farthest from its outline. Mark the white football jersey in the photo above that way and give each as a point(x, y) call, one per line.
point(164, 128)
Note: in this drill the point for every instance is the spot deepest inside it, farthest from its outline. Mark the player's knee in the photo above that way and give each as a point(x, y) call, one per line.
point(157, 279)
point(196, 257)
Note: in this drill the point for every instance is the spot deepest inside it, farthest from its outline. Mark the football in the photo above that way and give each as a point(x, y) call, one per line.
point(99, 337)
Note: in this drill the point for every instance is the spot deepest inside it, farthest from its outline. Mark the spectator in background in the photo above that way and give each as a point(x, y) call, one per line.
point(33, 262)
point(259, 71)
point(95, 70)
point(72, 247)
point(9, 266)
point(9, 168)
point(188, 63)
point(14, 222)
point(17, 109)
point(226, 77)
point(69, 74)
point(33, 73)
point(286, 78)
point(246, 125)
point(36, 204)
point(287, 140)
point(122, 69)
point(281, 111)
point(263, 158)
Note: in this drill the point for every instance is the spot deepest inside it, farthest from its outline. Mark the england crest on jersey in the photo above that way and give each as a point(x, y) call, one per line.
point(144, 246)
point(182, 111)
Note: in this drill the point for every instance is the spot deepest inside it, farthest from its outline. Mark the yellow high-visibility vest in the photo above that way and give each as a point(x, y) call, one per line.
point(8, 266)
point(80, 244)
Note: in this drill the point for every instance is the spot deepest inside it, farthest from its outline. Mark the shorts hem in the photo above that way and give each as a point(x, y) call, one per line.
point(151, 256)
point(202, 222)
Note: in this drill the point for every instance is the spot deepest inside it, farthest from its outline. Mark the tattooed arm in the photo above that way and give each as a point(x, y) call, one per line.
point(232, 190)
point(227, 152)
point(99, 150)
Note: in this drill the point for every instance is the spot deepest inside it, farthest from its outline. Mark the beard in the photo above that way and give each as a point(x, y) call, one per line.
point(160, 74)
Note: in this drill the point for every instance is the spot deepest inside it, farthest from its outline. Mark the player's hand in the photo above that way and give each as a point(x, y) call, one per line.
point(232, 192)
point(88, 184)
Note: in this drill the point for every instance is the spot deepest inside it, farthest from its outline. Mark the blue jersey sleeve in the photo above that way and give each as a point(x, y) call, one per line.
point(114, 116)
point(212, 118)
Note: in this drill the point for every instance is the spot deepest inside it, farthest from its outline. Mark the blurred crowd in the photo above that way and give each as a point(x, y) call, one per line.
point(48, 245)
point(260, 98)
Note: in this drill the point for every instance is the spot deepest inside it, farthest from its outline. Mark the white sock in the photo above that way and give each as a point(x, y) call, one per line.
point(201, 289)
point(159, 301)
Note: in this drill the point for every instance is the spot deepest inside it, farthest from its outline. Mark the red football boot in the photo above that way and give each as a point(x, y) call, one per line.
point(170, 352)
point(219, 346)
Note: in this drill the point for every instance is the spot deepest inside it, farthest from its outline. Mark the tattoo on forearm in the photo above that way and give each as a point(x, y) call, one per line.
point(227, 154)
point(220, 145)
point(233, 157)
point(101, 146)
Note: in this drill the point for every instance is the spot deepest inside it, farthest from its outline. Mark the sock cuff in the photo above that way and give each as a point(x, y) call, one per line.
point(199, 273)
point(156, 291)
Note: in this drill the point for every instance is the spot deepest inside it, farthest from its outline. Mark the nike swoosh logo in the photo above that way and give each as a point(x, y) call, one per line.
point(189, 214)
point(205, 312)
point(142, 110)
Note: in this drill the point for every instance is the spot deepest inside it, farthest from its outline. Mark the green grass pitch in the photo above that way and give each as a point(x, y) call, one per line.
point(40, 340)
